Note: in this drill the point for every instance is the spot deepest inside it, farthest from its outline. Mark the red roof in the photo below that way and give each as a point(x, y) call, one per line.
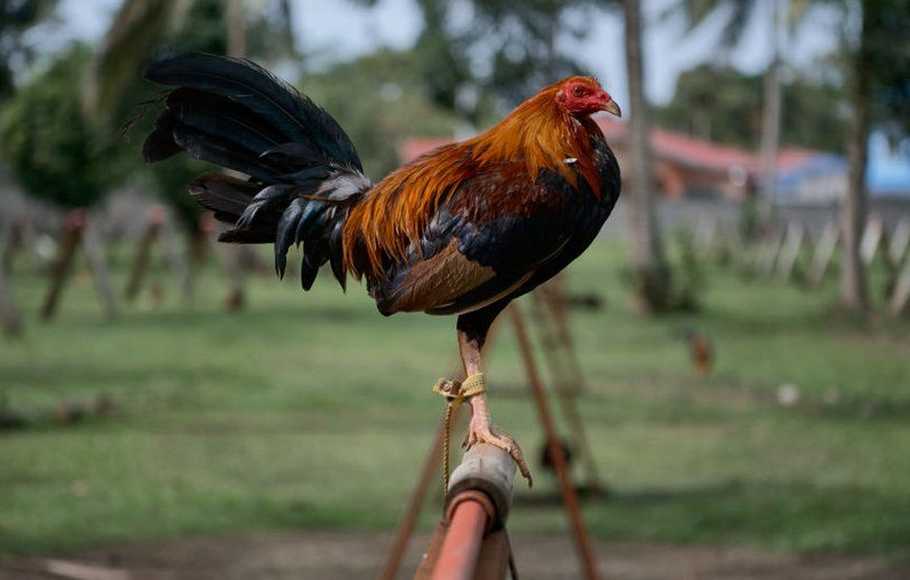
point(668, 145)
point(700, 153)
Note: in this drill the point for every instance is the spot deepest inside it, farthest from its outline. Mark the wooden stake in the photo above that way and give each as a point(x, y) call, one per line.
point(9, 314)
point(12, 237)
point(767, 260)
point(143, 253)
point(706, 234)
point(178, 252)
point(900, 240)
point(793, 243)
point(73, 228)
point(901, 297)
point(97, 261)
point(872, 237)
point(824, 251)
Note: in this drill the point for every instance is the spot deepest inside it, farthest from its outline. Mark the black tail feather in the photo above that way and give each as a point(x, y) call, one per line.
point(304, 173)
point(223, 193)
point(273, 100)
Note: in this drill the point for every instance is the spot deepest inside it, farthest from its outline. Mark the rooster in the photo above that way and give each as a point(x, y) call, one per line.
point(463, 230)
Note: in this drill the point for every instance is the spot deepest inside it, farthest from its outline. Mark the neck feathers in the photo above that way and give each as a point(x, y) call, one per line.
point(543, 135)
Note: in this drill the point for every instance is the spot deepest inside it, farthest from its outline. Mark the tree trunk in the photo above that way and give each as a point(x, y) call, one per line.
point(854, 291)
point(648, 261)
point(770, 137)
point(236, 28)
point(234, 255)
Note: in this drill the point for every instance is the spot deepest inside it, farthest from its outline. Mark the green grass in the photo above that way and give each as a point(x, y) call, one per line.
point(313, 411)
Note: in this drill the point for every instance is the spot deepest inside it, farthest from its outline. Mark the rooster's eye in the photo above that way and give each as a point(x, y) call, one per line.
point(579, 91)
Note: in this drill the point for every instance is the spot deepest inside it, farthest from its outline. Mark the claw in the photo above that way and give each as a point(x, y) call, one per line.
point(493, 436)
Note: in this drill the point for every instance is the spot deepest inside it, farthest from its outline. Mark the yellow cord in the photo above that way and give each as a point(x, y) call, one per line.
point(455, 393)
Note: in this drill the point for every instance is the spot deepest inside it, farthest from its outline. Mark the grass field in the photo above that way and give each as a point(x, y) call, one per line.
point(313, 411)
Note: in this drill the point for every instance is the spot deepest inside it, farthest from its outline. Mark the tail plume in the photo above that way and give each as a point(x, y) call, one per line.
point(302, 172)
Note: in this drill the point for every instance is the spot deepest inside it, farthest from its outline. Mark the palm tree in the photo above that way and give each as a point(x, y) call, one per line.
point(652, 274)
point(871, 57)
point(781, 16)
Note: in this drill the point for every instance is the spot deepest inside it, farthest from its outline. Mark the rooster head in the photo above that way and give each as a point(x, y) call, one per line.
point(583, 96)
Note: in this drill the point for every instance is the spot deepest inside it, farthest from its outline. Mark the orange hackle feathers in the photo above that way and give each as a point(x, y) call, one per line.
point(539, 134)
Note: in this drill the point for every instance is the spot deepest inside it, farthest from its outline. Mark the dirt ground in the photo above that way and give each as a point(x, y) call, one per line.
point(337, 556)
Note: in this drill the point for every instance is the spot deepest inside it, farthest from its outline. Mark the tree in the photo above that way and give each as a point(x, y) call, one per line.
point(813, 111)
point(58, 156)
point(508, 53)
point(54, 152)
point(399, 109)
point(141, 31)
point(650, 269)
point(878, 68)
point(16, 18)
point(740, 12)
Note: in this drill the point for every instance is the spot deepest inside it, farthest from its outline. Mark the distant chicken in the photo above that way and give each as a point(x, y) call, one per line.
point(701, 352)
point(463, 230)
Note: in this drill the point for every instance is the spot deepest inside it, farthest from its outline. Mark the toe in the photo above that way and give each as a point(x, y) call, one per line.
point(510, 446)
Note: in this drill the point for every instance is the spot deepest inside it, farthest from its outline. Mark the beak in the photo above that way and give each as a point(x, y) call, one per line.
point(612, 108)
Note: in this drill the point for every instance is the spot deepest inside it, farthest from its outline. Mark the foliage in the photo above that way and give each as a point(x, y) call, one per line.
point(813, 113)
point(16, 18)
point(202, 29)
point(378, 120)
point(507, 54)
point(888, 57)
point(54, 152)
point(738, 15)
point(134, 33)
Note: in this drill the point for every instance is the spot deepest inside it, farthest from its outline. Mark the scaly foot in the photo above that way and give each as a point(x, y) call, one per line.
point(481, 431)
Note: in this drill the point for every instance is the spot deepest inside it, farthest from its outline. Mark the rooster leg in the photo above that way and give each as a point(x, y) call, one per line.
point(472, 333)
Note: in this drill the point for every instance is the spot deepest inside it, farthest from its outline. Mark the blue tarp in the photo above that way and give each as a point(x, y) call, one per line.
point(887, 174)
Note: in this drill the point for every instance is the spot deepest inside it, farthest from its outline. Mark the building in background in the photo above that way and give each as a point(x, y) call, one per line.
point(822, 178)
point(685, 167)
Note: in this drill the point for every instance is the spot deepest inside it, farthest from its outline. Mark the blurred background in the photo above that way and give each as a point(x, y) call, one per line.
point(737, 338)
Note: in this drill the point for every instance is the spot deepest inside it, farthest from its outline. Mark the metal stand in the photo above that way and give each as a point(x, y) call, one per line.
point(567, 488)
point(559, 352)
point(569, 497)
